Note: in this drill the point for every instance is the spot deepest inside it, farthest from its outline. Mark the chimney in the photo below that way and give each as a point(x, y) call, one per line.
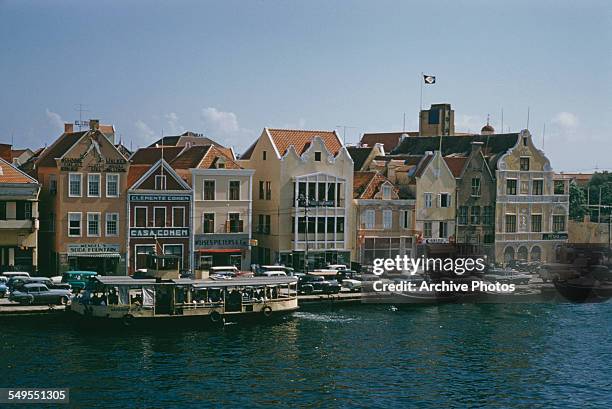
point(68, 127)
point(476, 146)
point(94, 124)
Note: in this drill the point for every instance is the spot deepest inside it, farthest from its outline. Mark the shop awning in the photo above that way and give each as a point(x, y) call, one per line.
point(219, 251)
point(96, 255)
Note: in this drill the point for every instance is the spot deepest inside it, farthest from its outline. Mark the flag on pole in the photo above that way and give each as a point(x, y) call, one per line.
point(429, 79)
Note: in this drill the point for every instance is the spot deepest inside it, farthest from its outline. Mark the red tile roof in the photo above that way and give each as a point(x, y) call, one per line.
point(455, 164)
point(149, 156)
point(9, 174)
point(367, 184)
point(300, 139)
point(135, 172)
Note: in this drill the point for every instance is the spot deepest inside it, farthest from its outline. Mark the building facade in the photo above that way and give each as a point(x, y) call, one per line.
point(386, 226)
point(435, 200)
point(222, 212)
point(531, 215)
point(159, 218)
point(83, 203)
point(18, 220)
point(301, 206)
point(476, 189)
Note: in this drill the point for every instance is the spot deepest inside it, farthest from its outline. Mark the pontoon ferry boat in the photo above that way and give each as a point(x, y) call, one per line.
point(132, 301)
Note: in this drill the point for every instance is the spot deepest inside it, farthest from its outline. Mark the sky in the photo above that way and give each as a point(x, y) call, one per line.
point(230, 68)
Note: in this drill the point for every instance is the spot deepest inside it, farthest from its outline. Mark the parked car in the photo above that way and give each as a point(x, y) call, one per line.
point(9, 274)
point(223, 272)
point(310, 283)
point(262, 270)
point(351, 284)
point(3, 289)
point(78, 279)
point(36, 293)
point(273, 274)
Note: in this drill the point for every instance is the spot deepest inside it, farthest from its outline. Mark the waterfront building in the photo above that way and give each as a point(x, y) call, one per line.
point(159, 205)
point(301, 207)
point(532, 205)
point(388, 140)
point(18, 219)
point(83, 202)
point(476, 189)
point(363, 156)
point(385, 224)
point(434, 189)
point(222, 209)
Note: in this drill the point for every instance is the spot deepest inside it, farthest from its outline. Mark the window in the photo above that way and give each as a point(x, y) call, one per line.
point(264, 155)
point(536, 223)
point(159, 217)
point(234, 190)
point(445, 200)
point(160, 182)
point(476, 187)
point(2, 210)
point(318, 156)
point(369, 218)
point(475, 215)
point(269, 191)
point(406, 220)
point(511, 187)
point(209, 190)
point(93, 185)
point(331, 224)
point(510, 223)
point(261, 190)
point(23, 210)
point(208, 223)
point(487, 215)
point(524, 187)
point(112, 185)
point(524, 163)
point(340, 225)
point(427, 229)
point(268, 224)
point(178, 217)
point(538, 187)
point(112, 224)
point(140, 217)
point(462, 216)
point(52, 184)
point(321, 192)
point(234, 223)
point(559, 187)
point(443, 232)
point(74, 184)
point(74, 224)
point(386, 192)
point(427, 198)
point(320, 224)
point(93, 224)
point(387, 219)
point(558, 223)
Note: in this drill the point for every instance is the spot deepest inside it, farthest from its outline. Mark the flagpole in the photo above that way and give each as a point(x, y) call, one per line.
point(421, 102)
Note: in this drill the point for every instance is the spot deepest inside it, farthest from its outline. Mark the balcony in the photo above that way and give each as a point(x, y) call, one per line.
point(15, 224)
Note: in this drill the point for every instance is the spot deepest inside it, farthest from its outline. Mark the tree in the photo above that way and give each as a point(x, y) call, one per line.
point(577, 202)
point(600, 182)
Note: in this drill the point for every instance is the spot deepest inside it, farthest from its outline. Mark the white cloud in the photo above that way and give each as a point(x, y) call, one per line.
point(223, 126)
point(55, 120)
point(174, 127)
point(565, 120)
point(143, 131)
point(469, 123)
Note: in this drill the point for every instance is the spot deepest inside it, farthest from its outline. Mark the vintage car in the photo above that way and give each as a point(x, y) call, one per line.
point(3, 289)
point(78, 279)
point(311, 283)
point(35, 293)
point(351, 284)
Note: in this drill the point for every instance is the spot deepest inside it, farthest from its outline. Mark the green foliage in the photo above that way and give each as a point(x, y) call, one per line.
point(600, 182)
point(577, 202)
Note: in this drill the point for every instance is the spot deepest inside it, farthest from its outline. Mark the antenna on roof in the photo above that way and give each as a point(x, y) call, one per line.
point(544, 136)
point(404, 123)
point(502, 120)
point(162, 153)
point(344, 127)
point(81, 108)
point(527, 119)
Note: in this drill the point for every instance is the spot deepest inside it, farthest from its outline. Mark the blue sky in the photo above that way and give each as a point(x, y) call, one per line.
point(230, 68)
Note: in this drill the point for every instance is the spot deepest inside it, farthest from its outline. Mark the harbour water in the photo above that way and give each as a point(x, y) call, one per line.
point(476, 355)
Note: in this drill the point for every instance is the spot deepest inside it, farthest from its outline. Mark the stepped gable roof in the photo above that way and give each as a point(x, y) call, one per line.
point(359, 155)
point(300, 139)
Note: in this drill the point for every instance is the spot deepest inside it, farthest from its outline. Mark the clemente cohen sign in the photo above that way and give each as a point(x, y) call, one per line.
point(159, 198)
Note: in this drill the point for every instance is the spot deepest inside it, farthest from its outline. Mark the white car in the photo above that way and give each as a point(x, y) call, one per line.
point(337, 267)
point(9, 274)
point(274, 274)
point(351, 285)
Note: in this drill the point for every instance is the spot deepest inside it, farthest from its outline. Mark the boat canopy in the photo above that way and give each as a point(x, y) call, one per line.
point(236, 282)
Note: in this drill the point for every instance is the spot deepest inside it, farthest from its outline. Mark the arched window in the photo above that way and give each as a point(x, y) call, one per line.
point(508, 254)
point(522, 253)
point(536, 253)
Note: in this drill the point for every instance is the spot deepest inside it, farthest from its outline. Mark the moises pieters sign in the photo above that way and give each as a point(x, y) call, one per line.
point(221, 241)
